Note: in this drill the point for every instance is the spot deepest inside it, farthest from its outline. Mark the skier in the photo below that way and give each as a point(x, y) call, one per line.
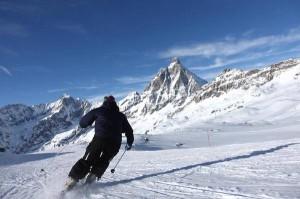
point(110, 123)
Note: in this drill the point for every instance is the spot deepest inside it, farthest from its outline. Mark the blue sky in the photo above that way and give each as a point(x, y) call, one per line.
point(93, 48)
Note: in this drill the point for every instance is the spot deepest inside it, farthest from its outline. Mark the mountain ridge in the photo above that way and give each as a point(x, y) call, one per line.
point(168, 100)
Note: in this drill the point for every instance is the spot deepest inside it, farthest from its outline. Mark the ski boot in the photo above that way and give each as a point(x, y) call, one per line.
point(70, 183)
point(90, 178)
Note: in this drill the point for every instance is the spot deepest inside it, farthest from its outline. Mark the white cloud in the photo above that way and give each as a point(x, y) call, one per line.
point(232, 46)
point(209, 76)
point(226, 62)
point(13, 29)
point(248, 32)
point(5, 70)
point(117, 95)
point(86, 87)
point(74, 28)
point(37, 69)
point(21, 7)
point(8, 51)
point(221, 62)
point(59, 90)
point(134, 80)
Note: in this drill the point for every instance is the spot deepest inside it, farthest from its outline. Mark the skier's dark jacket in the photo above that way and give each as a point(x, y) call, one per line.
point(110, 123)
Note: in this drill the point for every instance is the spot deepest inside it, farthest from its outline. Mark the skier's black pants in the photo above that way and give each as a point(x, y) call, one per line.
point(96, 158)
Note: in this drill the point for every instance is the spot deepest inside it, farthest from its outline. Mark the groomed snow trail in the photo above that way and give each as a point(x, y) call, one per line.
point(251, 170)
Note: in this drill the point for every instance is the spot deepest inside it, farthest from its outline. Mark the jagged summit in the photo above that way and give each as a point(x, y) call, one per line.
point(65, 100)
point(175, 62)
point(175, 59)
point(174, 80)
point(171, 85)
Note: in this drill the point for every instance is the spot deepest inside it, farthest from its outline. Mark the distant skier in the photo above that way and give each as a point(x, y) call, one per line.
point(110, 123)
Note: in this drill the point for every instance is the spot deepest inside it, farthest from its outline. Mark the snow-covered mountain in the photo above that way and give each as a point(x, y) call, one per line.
point(174, 99)
point(266, 96)
point(230, 91)
point(25, 128)
point(231, 79)
point(172, 85)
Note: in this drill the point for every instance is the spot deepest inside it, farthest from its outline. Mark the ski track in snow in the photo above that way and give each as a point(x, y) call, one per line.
point(259, 170)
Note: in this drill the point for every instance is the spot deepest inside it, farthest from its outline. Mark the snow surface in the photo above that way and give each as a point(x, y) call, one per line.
point(207, 166)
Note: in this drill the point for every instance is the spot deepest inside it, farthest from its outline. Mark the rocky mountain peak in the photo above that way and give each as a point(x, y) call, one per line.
point(231, 79)
point(131, 100)
point(175, 63)
point(173, 77)
point(65, 102)
point(172, 84)
point(25, 128)
point(175, 60)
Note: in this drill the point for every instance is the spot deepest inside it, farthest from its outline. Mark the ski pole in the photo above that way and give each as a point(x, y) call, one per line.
point(114, 169)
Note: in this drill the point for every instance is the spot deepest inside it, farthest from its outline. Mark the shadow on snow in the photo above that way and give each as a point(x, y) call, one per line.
point(13, 159)
point(239, 157)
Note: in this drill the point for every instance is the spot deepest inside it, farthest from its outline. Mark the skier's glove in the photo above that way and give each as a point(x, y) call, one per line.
point(128, 147)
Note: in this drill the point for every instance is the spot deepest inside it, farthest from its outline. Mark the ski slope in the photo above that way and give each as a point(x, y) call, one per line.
point(262, 166)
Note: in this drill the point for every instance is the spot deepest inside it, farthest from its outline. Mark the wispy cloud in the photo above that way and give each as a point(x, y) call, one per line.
point(118, 92)
point(144, 65)
point(19, 7)
point(118, 95)
point(87, 87)
point(8, 51)
point(248, 32)
point(74, 28)
point(209, 76)
point(13, 29)
point(32, 69)
point(59, 90)
point(232, 46)
point(251, 56)
point(5, 70)
point(221, 62)
point(134, 80)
